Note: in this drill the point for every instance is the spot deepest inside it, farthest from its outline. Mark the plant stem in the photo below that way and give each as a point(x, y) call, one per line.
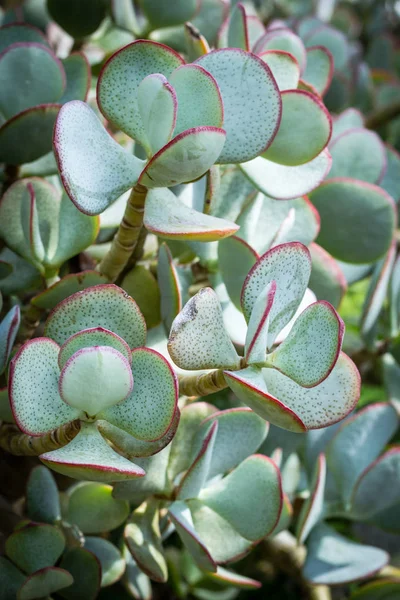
point(203, 384)
point(29, 323)
point(383, 115)
point(127, 236)
point(15, 442)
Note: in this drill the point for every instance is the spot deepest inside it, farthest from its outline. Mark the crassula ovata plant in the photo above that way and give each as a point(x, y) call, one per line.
point(200, 299)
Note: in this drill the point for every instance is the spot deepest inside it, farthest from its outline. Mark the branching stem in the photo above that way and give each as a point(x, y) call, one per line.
point(203, 384)
point(21, 444)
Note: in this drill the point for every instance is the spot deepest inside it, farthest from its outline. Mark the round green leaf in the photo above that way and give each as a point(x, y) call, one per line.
point(327, 279)
point(104, 306)
point(35, 547)
point(238, 35)
point(20, 32)
point(281, 38)
point(77, 69)
point(85, 568)
point(252, 103)
point(33, 388)
point(304, 131)
point(235, 259)
point(20, 65)
point(332, 39)
point(68, 285)
point(319, 68)
point(43, 503)
point(111, 561)
point(44, 582)
point(350, 158)
point(161, 15)
point(141, 284)
point(357, 219)
point(284, 68)
point(77, 19)
point(120, 78)
point(97, 336)
point(351, 118)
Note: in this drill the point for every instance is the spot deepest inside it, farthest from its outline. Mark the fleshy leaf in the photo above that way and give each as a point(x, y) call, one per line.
point(351, 160)
point(33, 388)
point(333, 559)
point(94, 168)
point(111, 561)
point(235, 259)
point(380, 589)
point(312, 347)
point(77, 69)
point(185, 158)
point(238, 35)
point(257, 332)
point(282, 39)
point(45, 582)
point(99, 306)
point(35, 546)
point(43, 503)
point(357, 219)
point(351, 118)
point(85, 568)
point(148, 412)
point(199, 98)
point(182, 519)
point(234, 579)
point(252, 104)
point(12, 33)
point(284, 183)
point(141, 284)
point(168, 281)
point(319, 68)
point(289, 265)
point(120, 78)
point(97, 336)
point(68, 285)
point(11, 579)
point(89, 457)
point(332, 39)
point(240, 433)
point(143, 538)
point(8, 331)
point(92, 507)
point(198, 473)
point(304, 131)
point(249, 498)
point(158, 105)
point(312, 509)
point(134, 580)
point(95, 378)
point(168, 217)
point(198, 339)
point(391, 179)
point(327, 279)
point(22, 63)
point(284, 68)
point(358, 442)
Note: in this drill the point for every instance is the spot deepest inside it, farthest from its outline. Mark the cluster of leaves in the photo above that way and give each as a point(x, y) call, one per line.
point(182, 216)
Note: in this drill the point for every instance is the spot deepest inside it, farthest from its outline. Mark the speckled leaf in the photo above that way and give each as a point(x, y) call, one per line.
point(78, 72)
point(235, 259)
point(240, 433)
point(89, 457)
point(8, 331)
point(199, 98)
point(257, 332)
point(68, 285)
point(110, 558)
point(120, 78)
point(35, 126)
point(166, 216)
point(11, 579)
point(97, 336)
point(42, 499)
point(148, 412)
point(284, 68)
point(289, 265)
point(365, 502)
point(85, 568)
point(351, 160)
point(282, 39)
point(304, 131)
point(391, 179)
point(45, 582)
point(252, 104)
point(358, 442)
point(94, 169)
point(238, 35)
point(158, 106)
point(168, 281)
point(92, 507)
point(249, 498)
point(33, 388)
point(327, 279)
point(198, 339)
point(13, 33)
point(319, 68)
point(22, 63)
point(143, 538)
point(282, 182)
point(357, 219)
point(185, 158)
point(333, 559)
point(35, 547)
point(195, 478)
point(313, 507)
point(99, 306)
point(312, 347)
point(181, 517)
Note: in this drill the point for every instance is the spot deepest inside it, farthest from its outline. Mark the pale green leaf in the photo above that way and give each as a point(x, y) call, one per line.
point(110, 558)
point(319, 68)
point(284, 39)
point(157, 105)
point(199, 471)
point(35, 547)
point(313, 507)
point(8, 330)
point(284, 68)
point(351, 160)
point(97, 336)
point(235, 259)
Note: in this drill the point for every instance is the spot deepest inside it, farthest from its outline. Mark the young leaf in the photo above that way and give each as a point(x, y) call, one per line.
point(35, 547)
point(319, 68)
point(45, 582)
point(96, 336)
point(284, 68)
point(313, 507)
point(158, 106)
point(252, 103)
point(257, 332)
point(198, 339)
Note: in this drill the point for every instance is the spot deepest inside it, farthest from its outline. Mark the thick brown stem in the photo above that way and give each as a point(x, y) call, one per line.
point(127, 236)
point(15, 442)
point(203, 384)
